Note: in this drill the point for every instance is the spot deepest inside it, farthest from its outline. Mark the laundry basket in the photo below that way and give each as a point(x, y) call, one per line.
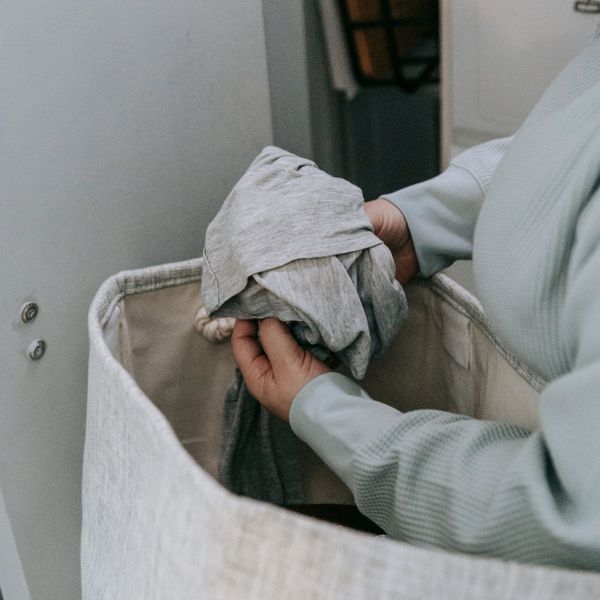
point(157, 524)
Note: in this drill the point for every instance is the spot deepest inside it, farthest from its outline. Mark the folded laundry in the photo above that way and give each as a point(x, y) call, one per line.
point(293, 242)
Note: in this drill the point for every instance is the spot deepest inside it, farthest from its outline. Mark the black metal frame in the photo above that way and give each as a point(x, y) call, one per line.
point(429, 64)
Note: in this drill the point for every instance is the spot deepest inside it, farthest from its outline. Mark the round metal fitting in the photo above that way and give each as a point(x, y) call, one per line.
point(36, 349)
point(29, 312)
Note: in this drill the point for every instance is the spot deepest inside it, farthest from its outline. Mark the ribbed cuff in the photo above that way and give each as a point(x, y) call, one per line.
point(441, 214)
point(335, 417)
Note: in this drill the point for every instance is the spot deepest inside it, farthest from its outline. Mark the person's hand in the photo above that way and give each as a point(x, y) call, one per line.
point(273, 365)
point(389, 225)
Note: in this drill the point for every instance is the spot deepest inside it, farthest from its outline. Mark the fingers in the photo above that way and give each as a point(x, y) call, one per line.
point(280, 348)
point(248, 354)
point(374, 214)
point(278, 343)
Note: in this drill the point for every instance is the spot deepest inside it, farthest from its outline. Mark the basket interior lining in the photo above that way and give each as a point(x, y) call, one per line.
point(439, 360)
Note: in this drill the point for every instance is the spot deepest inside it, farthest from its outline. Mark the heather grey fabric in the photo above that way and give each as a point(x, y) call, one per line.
point(293, 242)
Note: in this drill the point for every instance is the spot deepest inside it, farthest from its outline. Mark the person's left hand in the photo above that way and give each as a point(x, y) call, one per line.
point(277, 371)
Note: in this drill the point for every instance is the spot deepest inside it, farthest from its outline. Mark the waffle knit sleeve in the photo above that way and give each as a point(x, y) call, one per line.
point(435, 478)
point(442, 212)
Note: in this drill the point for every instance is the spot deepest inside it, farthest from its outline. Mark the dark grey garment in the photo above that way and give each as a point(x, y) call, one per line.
point(295, 243)
point(258, 455)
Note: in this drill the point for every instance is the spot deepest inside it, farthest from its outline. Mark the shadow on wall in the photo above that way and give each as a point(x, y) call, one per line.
point(392, 138)
point(382, 140)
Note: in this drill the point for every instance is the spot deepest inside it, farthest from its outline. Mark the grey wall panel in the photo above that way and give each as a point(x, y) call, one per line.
point(326, 105)
point(14, 584)
point(285, 30)
point(307, 112)
point(123, 126)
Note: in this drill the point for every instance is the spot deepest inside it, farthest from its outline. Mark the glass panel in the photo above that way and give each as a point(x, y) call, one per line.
point(409, 38)
point(373, 56)
point(412, 9)
point(364, 10)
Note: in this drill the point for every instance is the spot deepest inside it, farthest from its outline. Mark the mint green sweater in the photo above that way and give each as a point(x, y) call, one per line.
point(527, 209)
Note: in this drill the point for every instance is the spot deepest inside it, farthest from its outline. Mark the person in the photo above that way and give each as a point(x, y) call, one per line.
point(527, 210)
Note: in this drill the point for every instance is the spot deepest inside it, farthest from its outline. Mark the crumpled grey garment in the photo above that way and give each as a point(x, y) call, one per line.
point(293, 242)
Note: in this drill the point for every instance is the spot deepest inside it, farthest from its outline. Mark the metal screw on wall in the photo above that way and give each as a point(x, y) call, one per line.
point(29, 312)
point(36, 349)
point(587, 6)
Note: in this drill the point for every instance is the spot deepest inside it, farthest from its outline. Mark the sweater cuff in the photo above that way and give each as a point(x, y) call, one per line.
point(335, 417)
point(441, 214)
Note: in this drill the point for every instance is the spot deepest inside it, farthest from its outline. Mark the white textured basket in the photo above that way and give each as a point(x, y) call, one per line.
point(156, 524)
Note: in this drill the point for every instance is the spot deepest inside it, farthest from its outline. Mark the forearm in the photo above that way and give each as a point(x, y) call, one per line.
point(442, 212)
point(435, 478)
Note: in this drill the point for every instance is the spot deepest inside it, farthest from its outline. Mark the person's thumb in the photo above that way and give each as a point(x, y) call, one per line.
point(374, 213)
point(278, 343)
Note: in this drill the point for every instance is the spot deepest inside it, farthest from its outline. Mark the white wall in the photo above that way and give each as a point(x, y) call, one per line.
point(124, 123)
point(504, 55)
point(499, 58)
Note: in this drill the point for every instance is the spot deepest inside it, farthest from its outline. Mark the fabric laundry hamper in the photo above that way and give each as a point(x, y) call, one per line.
point(157, 524)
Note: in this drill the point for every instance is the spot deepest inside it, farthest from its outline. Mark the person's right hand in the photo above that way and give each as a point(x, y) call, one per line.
point(389, 225)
